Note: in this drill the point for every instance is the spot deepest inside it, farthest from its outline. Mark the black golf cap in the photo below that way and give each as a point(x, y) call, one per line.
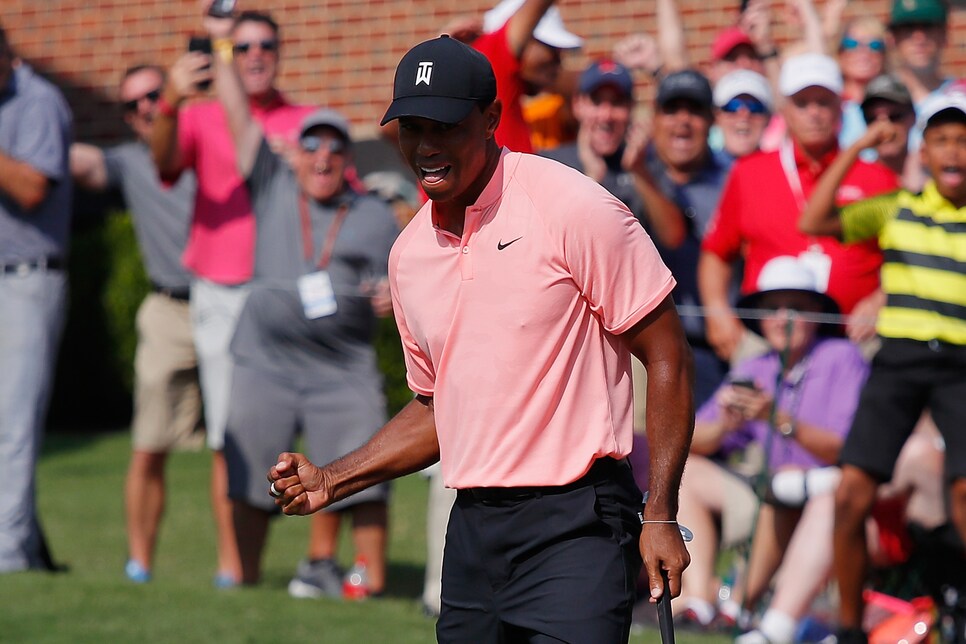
point(442, 80)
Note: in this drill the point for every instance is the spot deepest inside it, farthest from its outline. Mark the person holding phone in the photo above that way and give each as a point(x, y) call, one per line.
point(794, 404)
point(220, 253)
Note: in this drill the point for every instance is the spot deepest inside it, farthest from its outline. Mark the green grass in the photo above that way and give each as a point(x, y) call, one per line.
point(80, 483)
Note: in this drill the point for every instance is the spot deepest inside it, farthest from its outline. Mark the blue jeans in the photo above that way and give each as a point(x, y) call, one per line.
point(31, 320)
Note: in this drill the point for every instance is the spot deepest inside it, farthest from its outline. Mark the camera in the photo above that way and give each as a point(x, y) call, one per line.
point(202, 44)
point(222, 8)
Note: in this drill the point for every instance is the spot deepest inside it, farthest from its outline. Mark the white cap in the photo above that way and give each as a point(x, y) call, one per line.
point(742, 81)
point(940, 102)
point(808, 70)
point(787, 273)
point(550, 30)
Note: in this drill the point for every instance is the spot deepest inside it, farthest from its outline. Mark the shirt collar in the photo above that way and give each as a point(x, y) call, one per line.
point(278, 100)
point(494, 189)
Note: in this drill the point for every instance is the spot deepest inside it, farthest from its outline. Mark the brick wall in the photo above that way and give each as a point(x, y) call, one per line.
point(336, 52)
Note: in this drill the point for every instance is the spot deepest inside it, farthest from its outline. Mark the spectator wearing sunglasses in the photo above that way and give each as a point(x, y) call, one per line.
point(743, 107)
point(167, 398)
point(221, 244)
point(303, 354)
point(861, 57)
point(757, 217)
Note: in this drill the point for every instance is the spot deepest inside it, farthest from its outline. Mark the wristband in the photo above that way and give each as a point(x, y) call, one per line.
point(225, 49)
point(166, 108)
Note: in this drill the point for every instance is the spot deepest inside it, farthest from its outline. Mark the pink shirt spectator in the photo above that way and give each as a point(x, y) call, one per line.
point(221, 242)
point(513, 328)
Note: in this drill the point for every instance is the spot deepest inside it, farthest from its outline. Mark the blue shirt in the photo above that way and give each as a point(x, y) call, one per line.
point(35, 128)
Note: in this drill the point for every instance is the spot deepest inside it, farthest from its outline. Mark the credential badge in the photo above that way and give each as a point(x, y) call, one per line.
point(424, 72)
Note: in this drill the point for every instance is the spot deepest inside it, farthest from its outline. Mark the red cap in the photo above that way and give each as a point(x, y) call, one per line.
point(728, 39)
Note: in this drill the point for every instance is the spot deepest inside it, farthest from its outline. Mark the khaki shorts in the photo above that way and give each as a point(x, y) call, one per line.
point(740, 507)
point(167, 397)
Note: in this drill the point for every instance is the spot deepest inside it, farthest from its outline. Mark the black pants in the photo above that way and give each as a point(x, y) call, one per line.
point(542, 565)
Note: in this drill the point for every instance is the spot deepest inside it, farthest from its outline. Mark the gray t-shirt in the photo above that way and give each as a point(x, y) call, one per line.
point(35, 127)
point(273, 332)
point(161, 215)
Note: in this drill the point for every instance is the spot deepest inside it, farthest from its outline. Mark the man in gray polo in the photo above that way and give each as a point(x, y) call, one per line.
point(167, 397)
point(35, 193)
point(304, 360)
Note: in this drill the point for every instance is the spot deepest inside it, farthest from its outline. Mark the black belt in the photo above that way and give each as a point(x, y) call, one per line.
point(602, 469)
point(182, 293)
point(25, 266)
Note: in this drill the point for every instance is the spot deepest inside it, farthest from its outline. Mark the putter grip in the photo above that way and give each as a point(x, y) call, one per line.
point(664, 619)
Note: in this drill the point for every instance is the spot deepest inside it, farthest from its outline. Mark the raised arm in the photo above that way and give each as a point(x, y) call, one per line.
point(665, 218)
point(406, 444)
point(670, 37)
point(820, 216)
point(520, 26)
point(658, 342)
point(246, 132)
point(88, 167)
point(183, 81)
point(722, 326)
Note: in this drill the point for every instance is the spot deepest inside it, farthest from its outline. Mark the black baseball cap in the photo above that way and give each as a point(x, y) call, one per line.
point(687, 84)
point(442, 80)
point(887, 88)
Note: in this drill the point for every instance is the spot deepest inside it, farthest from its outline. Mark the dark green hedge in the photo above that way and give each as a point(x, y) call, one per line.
point(107, 283)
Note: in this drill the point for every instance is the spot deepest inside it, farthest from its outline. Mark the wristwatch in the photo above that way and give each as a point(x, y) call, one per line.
point(787, 429)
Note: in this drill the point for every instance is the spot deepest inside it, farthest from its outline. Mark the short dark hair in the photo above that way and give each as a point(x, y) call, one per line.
point(256, 16)
point(141, 67)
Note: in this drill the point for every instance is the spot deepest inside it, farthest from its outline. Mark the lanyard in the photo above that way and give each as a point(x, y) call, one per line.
point(787, 156)
point(308, 248)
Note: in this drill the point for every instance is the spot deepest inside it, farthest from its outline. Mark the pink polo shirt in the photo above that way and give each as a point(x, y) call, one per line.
point(221, 241)
point(513, 328)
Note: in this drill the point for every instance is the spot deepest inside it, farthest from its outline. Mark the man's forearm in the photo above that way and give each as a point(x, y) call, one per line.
point(246, 133)
point(820, 216)
point(406, 444)
point(164, 142)
point(23, 183)
point(670, 423)
point(714, 276)
point(666, 219)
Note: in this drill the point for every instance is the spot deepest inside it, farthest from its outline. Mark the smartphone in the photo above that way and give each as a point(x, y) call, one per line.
point(222, 8)
point(202, 44)
point(743, 381)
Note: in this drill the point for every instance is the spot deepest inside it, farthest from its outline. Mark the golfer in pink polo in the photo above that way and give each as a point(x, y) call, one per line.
point(520, 291)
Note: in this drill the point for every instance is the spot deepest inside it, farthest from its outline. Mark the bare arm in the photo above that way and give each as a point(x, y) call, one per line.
point(665, 218)
point(820, 216)
point(670, 37)
point(87, 166)
point(520, 26)
point(22, 182)
point(658, 342)
point(183, 78)
point(246, 132)
point(722, 326)
point(406, 444)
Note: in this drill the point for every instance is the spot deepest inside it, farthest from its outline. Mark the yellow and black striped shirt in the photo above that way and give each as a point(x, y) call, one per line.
point(923, 241)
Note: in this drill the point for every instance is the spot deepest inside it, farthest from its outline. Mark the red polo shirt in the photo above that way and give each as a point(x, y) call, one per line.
point(513, 131)
point(758, 214)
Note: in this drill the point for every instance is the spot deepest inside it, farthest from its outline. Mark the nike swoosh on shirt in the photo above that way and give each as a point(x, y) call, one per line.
point(500, 245)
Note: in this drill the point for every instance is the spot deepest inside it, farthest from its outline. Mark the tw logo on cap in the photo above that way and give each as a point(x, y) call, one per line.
point(424, 73)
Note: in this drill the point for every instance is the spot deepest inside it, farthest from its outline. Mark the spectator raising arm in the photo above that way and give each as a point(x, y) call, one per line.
point(521, 24)
point(820, 216)
point(184, 78)
point(665, 218)
point(723, 328)
point(246, 132)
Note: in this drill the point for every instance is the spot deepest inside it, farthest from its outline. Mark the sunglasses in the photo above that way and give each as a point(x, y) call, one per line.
point(752, 105)
point(878, 46)
point(264, 45)
point(132, 106)
point(894, 117)
point(316, 143)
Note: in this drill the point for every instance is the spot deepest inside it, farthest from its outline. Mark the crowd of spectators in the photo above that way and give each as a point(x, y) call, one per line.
point(809, 199)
